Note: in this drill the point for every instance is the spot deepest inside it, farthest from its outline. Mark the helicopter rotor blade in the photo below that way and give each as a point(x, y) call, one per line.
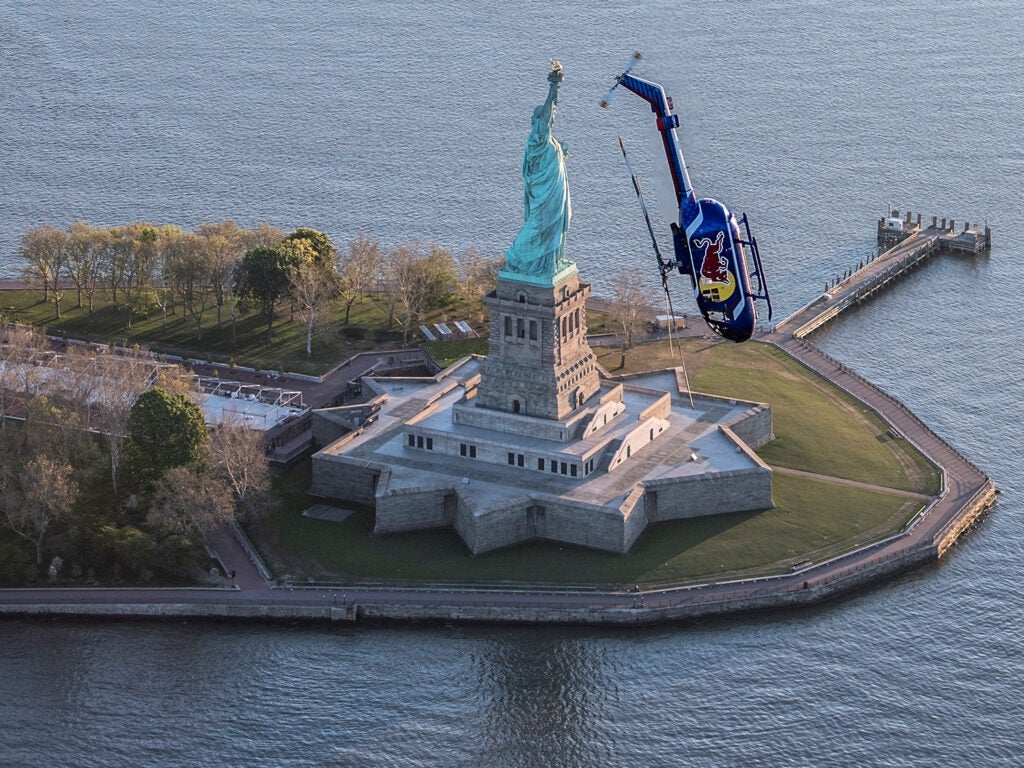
point(663, 266)
point(629, 65)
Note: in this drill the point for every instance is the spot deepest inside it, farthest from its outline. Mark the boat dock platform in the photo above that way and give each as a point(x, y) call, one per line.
point(903, 245)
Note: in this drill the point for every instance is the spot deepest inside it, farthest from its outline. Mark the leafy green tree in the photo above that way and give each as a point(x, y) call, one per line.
point(128, 548)
point(263, 275)
point(165, 431)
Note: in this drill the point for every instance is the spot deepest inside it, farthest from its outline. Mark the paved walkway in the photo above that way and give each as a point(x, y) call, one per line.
point(844, 481)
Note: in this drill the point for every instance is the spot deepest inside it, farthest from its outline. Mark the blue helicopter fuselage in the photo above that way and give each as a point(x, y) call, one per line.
point(710, 252)
point(707, 242)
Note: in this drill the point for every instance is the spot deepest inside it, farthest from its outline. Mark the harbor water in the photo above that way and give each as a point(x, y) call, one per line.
point(407, 120)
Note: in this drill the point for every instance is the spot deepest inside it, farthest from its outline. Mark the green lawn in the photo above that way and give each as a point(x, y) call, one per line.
point(444, 353)
point(812, 520)
point(818, 427)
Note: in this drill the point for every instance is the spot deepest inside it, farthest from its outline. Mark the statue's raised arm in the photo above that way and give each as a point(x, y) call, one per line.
point(538, 251)
point(544, 115)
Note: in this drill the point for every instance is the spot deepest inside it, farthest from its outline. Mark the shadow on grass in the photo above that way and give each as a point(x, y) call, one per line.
point(812, 520)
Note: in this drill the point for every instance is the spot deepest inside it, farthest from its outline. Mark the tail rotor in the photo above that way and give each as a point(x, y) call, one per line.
point(629, 65)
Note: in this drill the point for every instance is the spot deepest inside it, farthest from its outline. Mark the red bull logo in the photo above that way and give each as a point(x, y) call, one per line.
point(714, 266)
point(716, 282)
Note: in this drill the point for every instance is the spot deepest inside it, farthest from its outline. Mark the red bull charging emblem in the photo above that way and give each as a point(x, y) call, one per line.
point(716, 282)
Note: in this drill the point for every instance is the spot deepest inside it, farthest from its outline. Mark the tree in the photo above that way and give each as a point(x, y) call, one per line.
point(311, 287)
point(190, 274)
point(442, 276)
point(21, 345)
point(322, 245)
point(478, 276)
point(263, 275)
point(225, 246)
point(411, 284)
point(168, 250)
point(54, 430)
point(165, 431)
point(36, 496)
point(44, 249)
point(87, 251)
point(237, 453)
point(262, 235)
point(356, 270)
point(628, 306)
point(190, 501)
point(134, 250)
point(119, 382)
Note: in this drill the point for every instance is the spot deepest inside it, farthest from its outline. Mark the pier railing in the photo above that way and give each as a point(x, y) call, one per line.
point(865, 281)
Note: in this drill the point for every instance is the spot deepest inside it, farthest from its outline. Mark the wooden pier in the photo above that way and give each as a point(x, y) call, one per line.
point(908, 244)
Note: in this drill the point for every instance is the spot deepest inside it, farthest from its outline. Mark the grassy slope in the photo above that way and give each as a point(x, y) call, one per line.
point(811, 521)
point(332, 342)
point(817, 427)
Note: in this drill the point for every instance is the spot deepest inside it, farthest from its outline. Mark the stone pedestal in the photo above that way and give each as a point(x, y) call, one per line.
point(539, 363)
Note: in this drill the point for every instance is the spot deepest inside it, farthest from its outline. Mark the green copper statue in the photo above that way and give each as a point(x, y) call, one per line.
point(538, 253)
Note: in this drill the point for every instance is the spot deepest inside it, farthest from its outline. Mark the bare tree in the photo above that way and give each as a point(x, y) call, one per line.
point(411, 284)
point(117, 382)
point(630, 303)
point(36, 496)
point(67, 379)
point(88, 252)
point(357, 269)
point(478, 276)
point(237, 452)
point(189, 272)
point(168, 250)
point(44, 249)
point(312, 287)
point(190, 501)
point(225, 246)
point(21, 346)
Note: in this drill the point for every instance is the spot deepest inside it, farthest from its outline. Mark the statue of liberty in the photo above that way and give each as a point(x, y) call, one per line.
point(538, 252)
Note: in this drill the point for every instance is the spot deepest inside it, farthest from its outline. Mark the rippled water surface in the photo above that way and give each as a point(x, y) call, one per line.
point(407, 120)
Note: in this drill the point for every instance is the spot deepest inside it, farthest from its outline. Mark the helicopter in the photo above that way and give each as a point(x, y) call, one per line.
point(707, 242)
